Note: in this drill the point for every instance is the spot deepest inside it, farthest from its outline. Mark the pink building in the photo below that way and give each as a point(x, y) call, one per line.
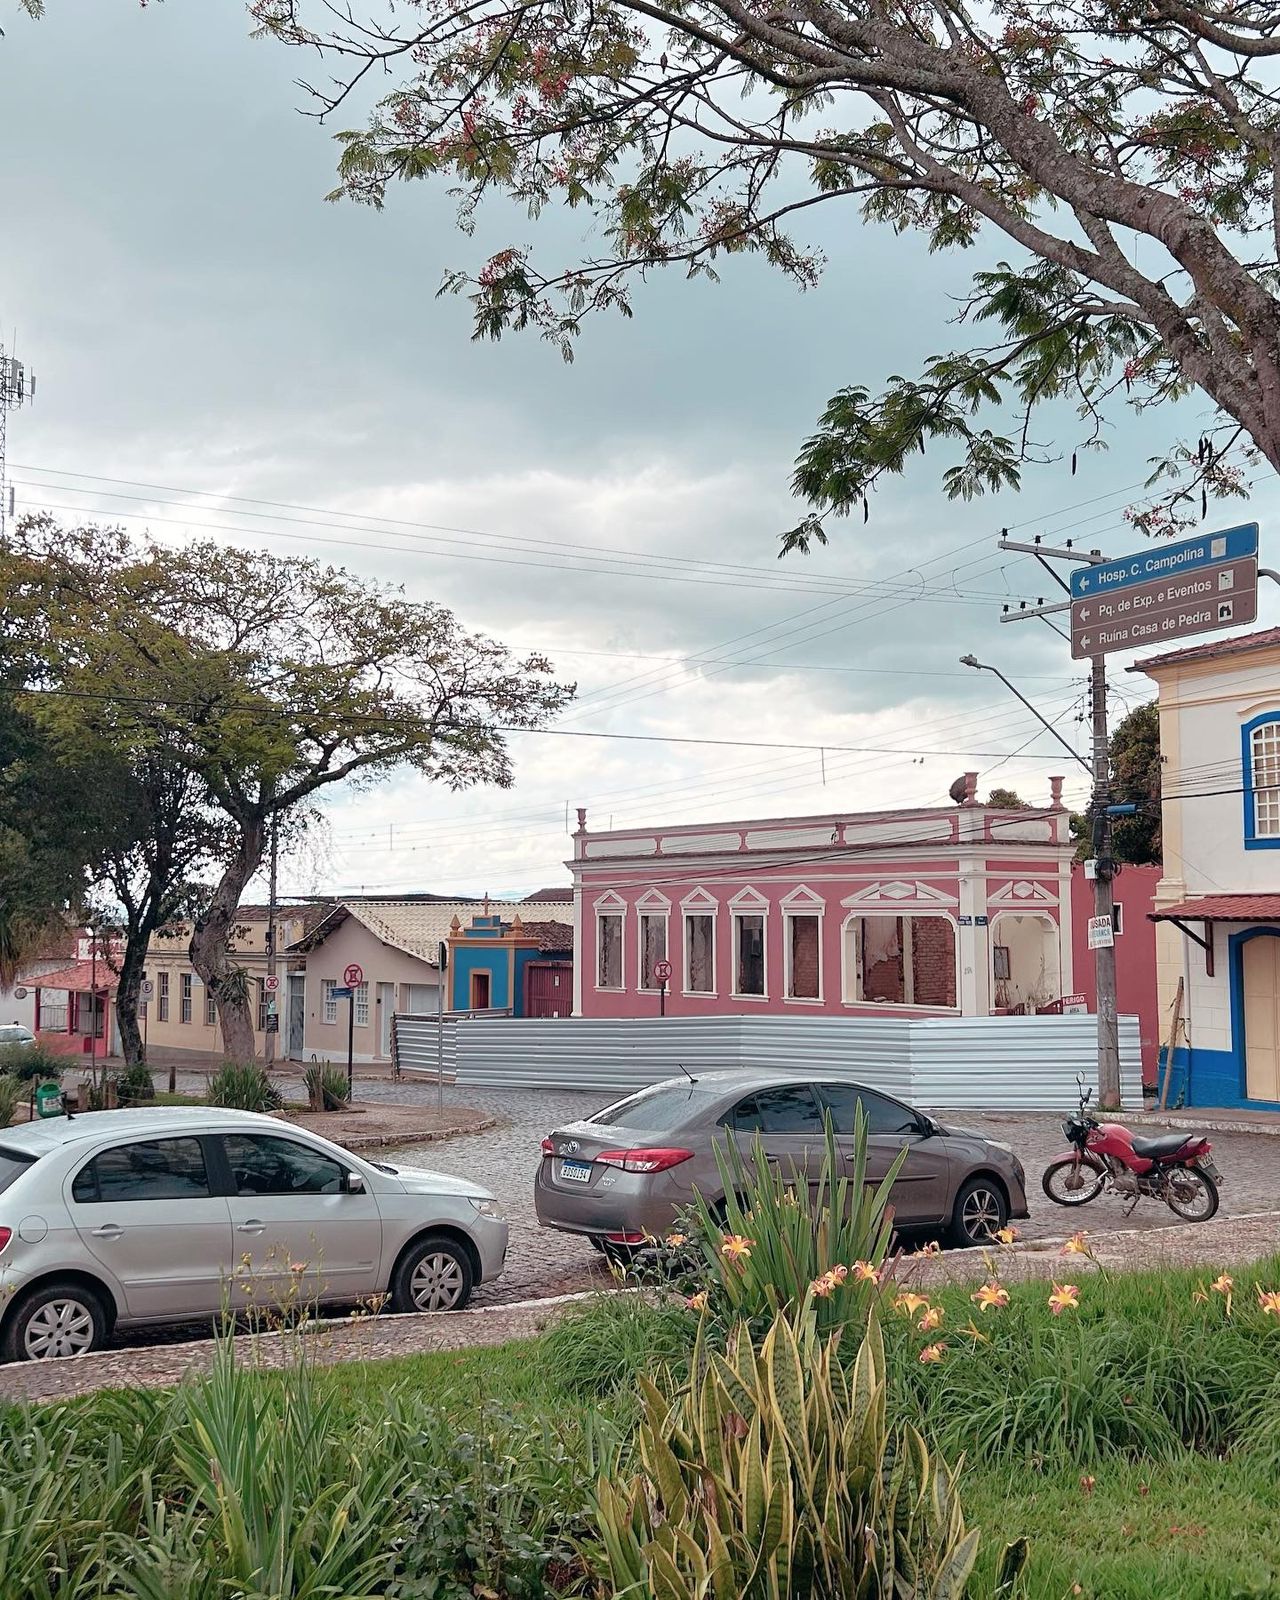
point(957, 910)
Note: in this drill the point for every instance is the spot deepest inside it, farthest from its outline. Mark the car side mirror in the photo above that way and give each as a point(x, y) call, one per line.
point(354, 1183)
point(928, 1127)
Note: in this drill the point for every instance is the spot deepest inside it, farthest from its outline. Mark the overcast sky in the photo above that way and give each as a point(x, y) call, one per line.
point(200, 319)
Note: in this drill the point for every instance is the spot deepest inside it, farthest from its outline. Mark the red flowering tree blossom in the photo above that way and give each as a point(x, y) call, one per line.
point(1128, 150)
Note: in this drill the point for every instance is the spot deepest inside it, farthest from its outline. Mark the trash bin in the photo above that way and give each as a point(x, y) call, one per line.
point(49, 1100)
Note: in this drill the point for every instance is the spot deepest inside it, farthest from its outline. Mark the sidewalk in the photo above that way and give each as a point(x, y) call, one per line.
point(1209, 1120)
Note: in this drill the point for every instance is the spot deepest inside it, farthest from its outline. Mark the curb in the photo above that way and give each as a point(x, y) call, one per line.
point(382, 1141)
point(1175, 1121)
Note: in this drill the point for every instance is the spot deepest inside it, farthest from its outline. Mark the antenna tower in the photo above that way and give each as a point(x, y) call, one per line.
point(17, 386)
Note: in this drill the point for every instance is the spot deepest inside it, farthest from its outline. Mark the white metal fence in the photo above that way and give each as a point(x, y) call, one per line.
point(1015, 1063)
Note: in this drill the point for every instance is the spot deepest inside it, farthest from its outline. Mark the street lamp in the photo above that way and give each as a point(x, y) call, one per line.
point(981, 666)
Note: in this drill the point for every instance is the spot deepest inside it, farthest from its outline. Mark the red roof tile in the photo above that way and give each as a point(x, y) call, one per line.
point(1210, 652)
point(79, 978)
point(550, 935)
point(1223, 908)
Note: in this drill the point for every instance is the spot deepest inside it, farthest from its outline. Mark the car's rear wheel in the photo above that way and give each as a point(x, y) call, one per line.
point(980, 1211)
point(435, 1274)
point(52, 1321)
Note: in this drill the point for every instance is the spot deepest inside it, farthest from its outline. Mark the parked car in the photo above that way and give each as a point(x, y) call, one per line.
point(14, 1033)
point(161, 1215)
point(623, 1175)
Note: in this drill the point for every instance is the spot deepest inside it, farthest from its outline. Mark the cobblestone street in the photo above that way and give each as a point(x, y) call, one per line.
point(542, 1262)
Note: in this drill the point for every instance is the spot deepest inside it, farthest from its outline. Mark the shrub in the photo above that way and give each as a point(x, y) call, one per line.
point(496, 1509)
point(11, 1096)
point(773, 1474)
point(31, 1061)
point(599, 1349)
point(135, 1085)
point(776, 1245)
point(326, 1086)
point(243, 1086)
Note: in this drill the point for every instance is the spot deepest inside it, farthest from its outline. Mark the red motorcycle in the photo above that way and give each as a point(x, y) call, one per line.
point(1105, 1158)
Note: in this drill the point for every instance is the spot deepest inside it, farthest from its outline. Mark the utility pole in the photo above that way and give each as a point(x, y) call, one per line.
point(273, 1006)
point(1104, 955)
point(17, 386)
point(1099, 768)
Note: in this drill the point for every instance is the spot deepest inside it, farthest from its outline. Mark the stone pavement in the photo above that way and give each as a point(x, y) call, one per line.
point(542, 1263)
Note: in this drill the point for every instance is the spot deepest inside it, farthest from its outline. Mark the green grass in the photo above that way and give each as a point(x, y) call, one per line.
point(1140, 1367)
point(1204, 1529)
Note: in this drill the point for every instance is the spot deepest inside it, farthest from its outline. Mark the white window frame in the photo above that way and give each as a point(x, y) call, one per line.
point(748, 903)
point(330, 1012)
point(801, 999)
point(162, 997)
point(360, 999)
point(210, 1010)
point(658, 907)
point(1264, 760)
point(803, 902)
point(850, 980)
point(612, 905)
point(186, 997)
point(688, 911)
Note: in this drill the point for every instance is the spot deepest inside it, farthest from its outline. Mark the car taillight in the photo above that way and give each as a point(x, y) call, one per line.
point(644, 1160)
point(5, 1235)
point(548, 1149)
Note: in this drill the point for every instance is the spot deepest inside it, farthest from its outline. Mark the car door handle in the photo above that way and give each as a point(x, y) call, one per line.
point(252, 1226)
point(108, 1230)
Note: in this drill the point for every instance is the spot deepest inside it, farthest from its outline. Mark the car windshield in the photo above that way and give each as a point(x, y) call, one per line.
point(659, 1109)
point(13, 1163)
point(15, 1033)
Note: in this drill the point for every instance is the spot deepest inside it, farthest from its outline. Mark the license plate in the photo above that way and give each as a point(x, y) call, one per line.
point(1210, 1167)
point(576, 1171)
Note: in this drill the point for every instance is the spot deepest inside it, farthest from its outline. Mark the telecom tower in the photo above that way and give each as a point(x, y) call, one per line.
point(17, 386)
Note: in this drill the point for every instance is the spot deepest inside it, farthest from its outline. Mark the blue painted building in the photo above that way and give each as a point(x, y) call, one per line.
point(1217, 905)
point(517, 968)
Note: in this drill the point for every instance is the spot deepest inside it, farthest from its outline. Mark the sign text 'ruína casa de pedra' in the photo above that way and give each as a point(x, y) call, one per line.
point(1166, 592)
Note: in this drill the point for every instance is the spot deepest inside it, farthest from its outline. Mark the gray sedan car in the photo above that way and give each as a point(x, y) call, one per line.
point(621, 1176)
point(155, 1216)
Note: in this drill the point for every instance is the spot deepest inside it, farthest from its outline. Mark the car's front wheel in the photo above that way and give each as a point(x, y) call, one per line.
point(54, 1320)
point(980, 1211)
point(435, 1274)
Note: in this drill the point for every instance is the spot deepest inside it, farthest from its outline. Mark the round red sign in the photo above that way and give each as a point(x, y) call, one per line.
point(353, 976)
point(662, 970)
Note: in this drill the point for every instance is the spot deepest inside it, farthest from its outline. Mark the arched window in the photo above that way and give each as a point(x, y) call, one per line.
point(1261, 739)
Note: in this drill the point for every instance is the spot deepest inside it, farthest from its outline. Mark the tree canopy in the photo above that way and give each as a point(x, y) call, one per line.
point(1127, 152)
point(262, 681)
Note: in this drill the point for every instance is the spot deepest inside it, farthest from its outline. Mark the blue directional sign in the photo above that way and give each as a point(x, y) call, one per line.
point(339, 992)
point(1160, 561)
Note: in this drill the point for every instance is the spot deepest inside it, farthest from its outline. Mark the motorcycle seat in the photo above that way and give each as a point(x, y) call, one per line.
point(1165, 1144)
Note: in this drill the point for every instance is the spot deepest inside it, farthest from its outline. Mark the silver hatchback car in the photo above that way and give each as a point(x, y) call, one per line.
point(158, 1216)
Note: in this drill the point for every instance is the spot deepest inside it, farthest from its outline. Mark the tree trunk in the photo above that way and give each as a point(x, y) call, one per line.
point(210, 945)
point(128, 993)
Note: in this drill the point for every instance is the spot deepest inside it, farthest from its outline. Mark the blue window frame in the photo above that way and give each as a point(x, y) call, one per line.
point(1260, 763)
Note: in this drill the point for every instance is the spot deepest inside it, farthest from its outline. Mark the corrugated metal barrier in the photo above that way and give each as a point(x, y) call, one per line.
point(1015, 1063)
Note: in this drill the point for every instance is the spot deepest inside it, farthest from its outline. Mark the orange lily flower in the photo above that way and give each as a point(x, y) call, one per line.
point(1075, 1246)
point(991, 1296)
point(1065, 1297)
point(1005, 1235)
point(736, 1246)
point(931, 1319)
point(932, 1352)
point(909, 1302)
point(1270, 1302)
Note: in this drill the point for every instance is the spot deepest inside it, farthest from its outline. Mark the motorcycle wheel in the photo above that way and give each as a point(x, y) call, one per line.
point(1072, 1183)
point(1191, 1194)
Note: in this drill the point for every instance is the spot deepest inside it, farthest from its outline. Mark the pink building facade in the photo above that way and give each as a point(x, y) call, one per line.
point(960, 911)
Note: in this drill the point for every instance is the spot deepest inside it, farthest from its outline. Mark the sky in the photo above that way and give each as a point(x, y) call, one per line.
point(207, 332)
